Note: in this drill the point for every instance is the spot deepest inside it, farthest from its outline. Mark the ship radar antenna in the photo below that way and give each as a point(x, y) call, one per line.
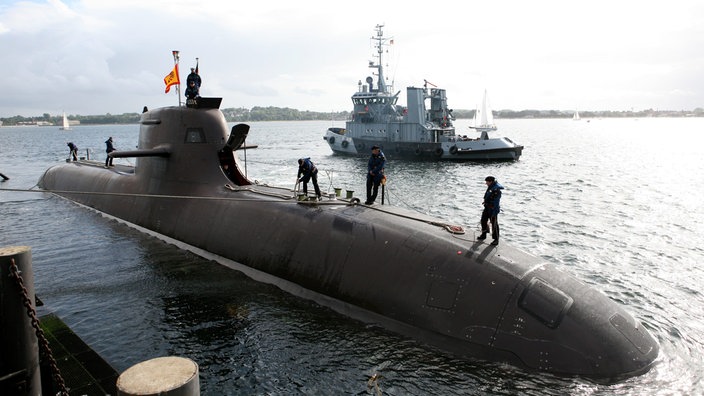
point(380, 43)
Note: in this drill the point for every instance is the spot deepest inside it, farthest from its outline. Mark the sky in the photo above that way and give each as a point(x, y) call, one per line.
point(93, 57)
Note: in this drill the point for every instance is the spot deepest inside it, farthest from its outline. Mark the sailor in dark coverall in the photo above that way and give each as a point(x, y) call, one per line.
point(192, 91)
point(109, 148)
point(73, 151)
point(375, 173)
point(492, 200)
point(195, 77)
point(309, 172)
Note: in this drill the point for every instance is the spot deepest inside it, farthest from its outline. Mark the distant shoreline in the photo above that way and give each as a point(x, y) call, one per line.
point(287, 114)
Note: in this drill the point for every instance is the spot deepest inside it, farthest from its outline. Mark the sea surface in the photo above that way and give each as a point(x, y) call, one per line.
point(615, 202)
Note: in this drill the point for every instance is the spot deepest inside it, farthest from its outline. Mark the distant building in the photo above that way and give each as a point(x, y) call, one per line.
point(35, 123)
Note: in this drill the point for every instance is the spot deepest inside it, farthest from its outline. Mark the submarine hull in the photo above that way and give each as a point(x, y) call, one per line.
point(383, 264)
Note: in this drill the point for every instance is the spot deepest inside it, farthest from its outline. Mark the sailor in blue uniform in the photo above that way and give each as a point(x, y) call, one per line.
point(73, 151)
point(375, 173)
point(307, 172)
point(492, 201)
point(192, 90)
point(109, 148)
point(195, 77)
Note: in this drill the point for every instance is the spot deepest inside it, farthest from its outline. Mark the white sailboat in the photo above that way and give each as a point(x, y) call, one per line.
point(575, 116)
point(483, 117)
point(65, 126)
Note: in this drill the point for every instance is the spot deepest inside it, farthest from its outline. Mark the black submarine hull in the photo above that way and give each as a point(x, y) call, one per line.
point(383, 264)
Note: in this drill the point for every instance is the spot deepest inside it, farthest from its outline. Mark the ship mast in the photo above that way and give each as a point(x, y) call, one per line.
point(381, 42)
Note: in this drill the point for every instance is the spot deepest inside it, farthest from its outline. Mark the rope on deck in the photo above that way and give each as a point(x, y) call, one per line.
point(285, 199)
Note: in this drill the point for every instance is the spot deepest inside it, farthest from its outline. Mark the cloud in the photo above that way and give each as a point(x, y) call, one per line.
point(106, 56)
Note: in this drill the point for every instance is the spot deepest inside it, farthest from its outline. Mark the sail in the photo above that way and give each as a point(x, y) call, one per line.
point(65, 125)
point(484, 118)
point(487, 115)
point(576, 116)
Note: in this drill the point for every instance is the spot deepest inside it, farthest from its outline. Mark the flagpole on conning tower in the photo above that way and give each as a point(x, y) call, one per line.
point(178, 87)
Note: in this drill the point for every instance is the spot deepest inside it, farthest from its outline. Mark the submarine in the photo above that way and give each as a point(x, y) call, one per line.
point(413, 274)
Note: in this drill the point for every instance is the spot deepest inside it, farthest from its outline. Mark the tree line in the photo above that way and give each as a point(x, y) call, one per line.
point(271, 113)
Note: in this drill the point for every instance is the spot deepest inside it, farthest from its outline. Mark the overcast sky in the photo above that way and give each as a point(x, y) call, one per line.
point(111, 56)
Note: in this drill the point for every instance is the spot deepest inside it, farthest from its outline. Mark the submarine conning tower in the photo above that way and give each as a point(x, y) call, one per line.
point(194, 140)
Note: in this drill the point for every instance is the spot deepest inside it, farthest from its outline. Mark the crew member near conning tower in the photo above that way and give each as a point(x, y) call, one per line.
point(192, 90)
point(195, 77)
point(109, 148)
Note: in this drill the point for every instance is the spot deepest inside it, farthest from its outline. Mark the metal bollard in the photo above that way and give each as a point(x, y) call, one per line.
point(19, 365)
point(164, 376)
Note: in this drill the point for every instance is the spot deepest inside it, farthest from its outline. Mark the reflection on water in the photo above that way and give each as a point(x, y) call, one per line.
point(609, 201)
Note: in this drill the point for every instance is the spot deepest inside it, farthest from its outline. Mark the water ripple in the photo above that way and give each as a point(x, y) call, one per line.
point(599, 200)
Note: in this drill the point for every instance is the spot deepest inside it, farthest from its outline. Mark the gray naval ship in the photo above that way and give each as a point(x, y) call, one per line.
point(414, 131)
point(414, 274)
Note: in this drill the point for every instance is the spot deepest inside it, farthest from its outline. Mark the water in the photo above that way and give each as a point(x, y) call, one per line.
point(615, 202)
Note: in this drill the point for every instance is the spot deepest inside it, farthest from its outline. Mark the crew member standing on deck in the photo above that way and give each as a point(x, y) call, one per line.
point(109, 148)
point(375, 173)
point(492, 200)
point(307, 172)
point(73, 151)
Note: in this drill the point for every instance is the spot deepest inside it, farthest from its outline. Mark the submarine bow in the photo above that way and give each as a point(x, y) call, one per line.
point(494, 303)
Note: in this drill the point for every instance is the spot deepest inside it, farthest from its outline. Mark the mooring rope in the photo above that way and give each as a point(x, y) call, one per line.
point(285, 199)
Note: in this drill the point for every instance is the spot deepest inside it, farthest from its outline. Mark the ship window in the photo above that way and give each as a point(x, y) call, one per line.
point(195, 135)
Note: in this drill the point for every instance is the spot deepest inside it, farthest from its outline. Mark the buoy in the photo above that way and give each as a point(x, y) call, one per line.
point(164, 376)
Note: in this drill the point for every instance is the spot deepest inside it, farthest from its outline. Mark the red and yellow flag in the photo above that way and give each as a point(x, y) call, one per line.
point(172, 78)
